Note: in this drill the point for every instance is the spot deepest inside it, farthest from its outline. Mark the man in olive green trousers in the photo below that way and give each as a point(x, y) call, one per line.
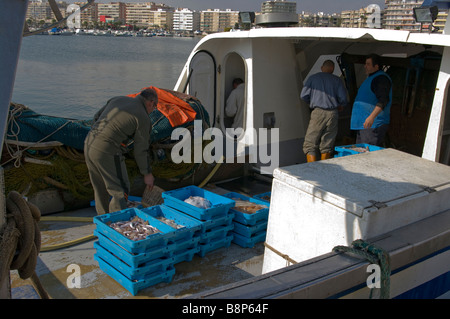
point(122, 119)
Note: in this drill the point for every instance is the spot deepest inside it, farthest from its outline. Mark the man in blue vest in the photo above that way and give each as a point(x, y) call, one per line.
point(372, 106)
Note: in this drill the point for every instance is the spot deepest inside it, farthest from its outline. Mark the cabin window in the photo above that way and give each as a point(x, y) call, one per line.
point(202, 82)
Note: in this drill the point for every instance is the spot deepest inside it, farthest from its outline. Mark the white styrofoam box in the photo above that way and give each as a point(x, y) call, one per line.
point(317, 206)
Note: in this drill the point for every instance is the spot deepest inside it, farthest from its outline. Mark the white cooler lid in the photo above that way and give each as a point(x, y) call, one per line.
point(366, 181)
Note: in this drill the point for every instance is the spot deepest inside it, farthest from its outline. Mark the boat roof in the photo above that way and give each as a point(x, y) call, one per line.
point(360, 34)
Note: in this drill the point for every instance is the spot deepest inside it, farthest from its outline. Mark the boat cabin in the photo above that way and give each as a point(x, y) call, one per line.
point(274, 64)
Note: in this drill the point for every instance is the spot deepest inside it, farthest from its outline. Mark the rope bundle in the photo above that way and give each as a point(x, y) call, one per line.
point(374, 255)
point(21, 240)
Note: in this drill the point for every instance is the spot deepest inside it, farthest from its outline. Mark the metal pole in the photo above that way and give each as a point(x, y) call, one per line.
point(12, 20)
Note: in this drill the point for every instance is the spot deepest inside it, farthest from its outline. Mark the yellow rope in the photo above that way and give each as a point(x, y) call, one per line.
point(71, 242)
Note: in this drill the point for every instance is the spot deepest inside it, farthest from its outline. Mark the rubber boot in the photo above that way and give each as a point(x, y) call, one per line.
point(325, 156)
point(310, 158)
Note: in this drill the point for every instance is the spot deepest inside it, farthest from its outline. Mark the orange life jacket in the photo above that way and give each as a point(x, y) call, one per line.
point(177, 111)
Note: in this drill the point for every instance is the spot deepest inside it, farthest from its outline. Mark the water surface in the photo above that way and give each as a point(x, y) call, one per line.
point(73, 76)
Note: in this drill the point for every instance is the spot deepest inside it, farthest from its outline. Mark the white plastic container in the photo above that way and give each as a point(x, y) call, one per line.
point(317, 206)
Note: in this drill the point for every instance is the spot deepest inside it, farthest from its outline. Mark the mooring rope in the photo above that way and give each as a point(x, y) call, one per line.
point(20, 241)
point(374, 255)
point(284, 256)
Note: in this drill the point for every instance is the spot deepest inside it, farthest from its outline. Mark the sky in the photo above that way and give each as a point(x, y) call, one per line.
point(313, 6)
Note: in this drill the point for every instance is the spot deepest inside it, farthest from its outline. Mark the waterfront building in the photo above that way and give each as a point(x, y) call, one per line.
point(89, 16)
point(319, 19)
point(186, 20)
point(354, 18)
point(115, 10)
point(140, 14)
point(162, 18)
point(216, 20)
point(39, 10)
point(399, 15)
point(440, 20)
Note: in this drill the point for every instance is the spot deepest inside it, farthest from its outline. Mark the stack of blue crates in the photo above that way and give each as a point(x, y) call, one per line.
point(249, 229)
point(265, 197)
point(140, 264)
point(216, 221)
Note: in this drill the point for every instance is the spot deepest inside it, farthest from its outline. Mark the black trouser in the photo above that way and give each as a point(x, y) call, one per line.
point(372, 136)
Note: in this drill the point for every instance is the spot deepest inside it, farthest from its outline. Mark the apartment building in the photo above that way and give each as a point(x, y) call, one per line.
point(39, 10)
point(399, 15)
point(140, 14)
point(354, 18)
point(186, 20)
point(441, 20)
point(113, 11)
point(89, 16)
point(162, 18)
point(216, 20)
point(319, 19)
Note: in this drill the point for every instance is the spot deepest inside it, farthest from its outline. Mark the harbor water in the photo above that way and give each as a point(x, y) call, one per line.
point(74, 76)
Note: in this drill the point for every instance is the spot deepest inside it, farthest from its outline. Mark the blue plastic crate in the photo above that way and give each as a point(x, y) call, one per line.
point(249, 242)
point(219, 243)
point(265, 197)
point(207, 225)
point(220, 205)
point(130, 198)
point(184, 245)
point(350, 149)
point(216, 233)
point(191, 225)
point(148, 269)
point(248, 231)
point(133, 286)
point(185, 254)
point(137, 259)
point(153, 241)
point(249, 219)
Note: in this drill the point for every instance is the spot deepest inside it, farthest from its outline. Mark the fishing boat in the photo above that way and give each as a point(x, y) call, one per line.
point(323, 240)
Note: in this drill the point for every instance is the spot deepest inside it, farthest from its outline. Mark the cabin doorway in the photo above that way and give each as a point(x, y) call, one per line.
point(234, 68)
point(445, 143)
point(202, 82)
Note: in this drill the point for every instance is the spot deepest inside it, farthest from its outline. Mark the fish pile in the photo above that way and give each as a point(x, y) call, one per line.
point(135, 228)
point(169, 222)
point(198, 201)
point(358, 149)
point(246, 206)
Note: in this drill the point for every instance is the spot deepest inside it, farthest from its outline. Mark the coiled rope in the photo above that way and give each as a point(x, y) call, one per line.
point(374, 255)
point(16, 154)
point(20, 241)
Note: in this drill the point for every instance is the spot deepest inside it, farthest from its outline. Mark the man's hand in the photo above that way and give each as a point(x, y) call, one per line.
point(149, 180)
point(371, 118)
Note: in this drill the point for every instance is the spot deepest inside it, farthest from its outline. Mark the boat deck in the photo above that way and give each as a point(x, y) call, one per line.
point(217, 268)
